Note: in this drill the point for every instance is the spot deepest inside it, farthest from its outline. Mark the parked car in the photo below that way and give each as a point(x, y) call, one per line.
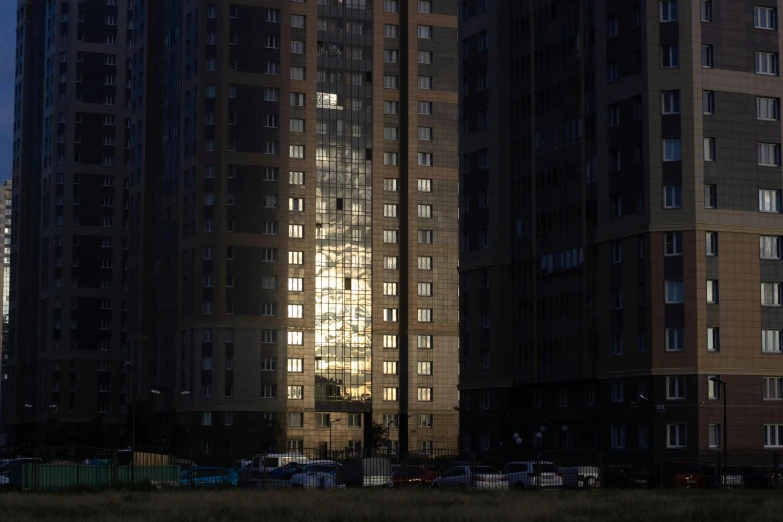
point(261, 463)
point(730, 476)
point(285, 472)
point(683, 474)
point(533, 475)
point(366, 472)
point(208, 476)
point(626, 477)
point(763, 477)
point(416, 475)
point(581, 476)
point(320, 474)
point(481, 477)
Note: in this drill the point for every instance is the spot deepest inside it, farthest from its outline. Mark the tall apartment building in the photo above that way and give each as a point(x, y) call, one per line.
point(68, 241)
point(621, 224)
point(5, 287)
point(294, 235)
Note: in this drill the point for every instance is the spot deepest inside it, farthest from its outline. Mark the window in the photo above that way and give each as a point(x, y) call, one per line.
point(390, 367)
point(766, 63)
point(673, 243)
point(424, 367)
point(424, 263)
point(425, 31)
point(670, 56)
point(617, 344)
point(425, 315)
point(391, 82)
point(707, 58)
point(425, 108)
point(425, 289)
point(617, 298)
point(768, 109)
point(424, 211)
point(710, 193)
point(675, 388)
point(668, 10)
point(297, 48)
point(390, 394)
point(271, 94)
point(772, 388)
point(617, 390)
point(617, 206)
point(296, 392)
point(674, 292)
point(614, 115)
point(296, 151)
point(390, 236)
point(713, 339)
point(295, 311)
point(713, 388)
point(268, 364)
point(390, 262)
point(618, 436)
point(295, 338)
point(765, 18)
point(297, 21)
point(675, 435)
point(296, 178)
point(670, 102)
point(295, 420)
point(206, 418)
point(773, 435)
point(391, 31)
point(770, 247)
point(389, 288)
point(295, 231)
point(714, 434)
point(272, 68)
point(424, 394)
point(615, 160)
point(613, 71)
point(709, 149)
point(425, 57)
point(675, 340)
point(770, 294)
point(425, 82)
point(706, 10)
point(296, 125)
point(612, 26)
point(672, 150)
point(712, 291)
point(296, 99)
point(769, 200)
point(424, 185)
point(390, 315)
point(672, 196)
point(708, 102)
point(390, 56)
point(769, 154)
point(424, 342)
point(390, 185)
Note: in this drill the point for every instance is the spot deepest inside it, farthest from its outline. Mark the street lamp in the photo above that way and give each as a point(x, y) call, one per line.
point(717, 382)
point(330, 432)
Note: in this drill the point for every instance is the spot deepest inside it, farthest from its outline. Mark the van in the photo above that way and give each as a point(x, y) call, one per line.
point(272, 461)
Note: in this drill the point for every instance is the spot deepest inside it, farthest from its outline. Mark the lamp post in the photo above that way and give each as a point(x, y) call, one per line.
point(330, 433)
point(718, 382)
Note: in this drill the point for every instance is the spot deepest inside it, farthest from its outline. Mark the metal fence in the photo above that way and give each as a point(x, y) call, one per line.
point(42, 469)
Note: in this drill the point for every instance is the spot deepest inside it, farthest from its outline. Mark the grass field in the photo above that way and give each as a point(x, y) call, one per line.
point(395, 505)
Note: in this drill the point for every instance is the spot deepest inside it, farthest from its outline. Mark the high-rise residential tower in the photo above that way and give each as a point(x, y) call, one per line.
point(294, 227)
point(621, 224)
point(68, 235)
point(5, 234)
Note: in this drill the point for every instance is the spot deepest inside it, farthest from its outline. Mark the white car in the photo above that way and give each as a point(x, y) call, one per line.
point(480, 477)
point(318, 475)
point(581, 476)
point(533, 475)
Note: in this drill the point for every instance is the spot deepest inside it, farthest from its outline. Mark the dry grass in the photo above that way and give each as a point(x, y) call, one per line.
point(395, 505)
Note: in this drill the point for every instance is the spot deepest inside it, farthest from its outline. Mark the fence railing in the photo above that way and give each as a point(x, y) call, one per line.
point(42, 469)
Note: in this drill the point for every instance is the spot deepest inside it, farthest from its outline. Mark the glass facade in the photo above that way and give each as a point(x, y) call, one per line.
point(343, 252)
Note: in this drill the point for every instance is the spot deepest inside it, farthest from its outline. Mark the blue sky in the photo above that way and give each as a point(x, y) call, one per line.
point(7, 50)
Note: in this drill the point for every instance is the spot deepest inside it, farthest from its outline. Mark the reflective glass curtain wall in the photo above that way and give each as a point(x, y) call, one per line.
point(343, 370)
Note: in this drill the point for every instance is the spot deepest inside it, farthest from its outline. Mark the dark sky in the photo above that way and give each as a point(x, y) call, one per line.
point(7, 50)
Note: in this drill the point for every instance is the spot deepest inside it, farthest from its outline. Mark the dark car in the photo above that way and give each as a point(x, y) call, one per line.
point(683, 474)
point(286, 472)
point(762, 478)
point(727, 477)
point(417, 475)
point(627, 477)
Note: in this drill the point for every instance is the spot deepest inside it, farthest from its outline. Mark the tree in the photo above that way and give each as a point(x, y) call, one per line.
point(379, 434)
